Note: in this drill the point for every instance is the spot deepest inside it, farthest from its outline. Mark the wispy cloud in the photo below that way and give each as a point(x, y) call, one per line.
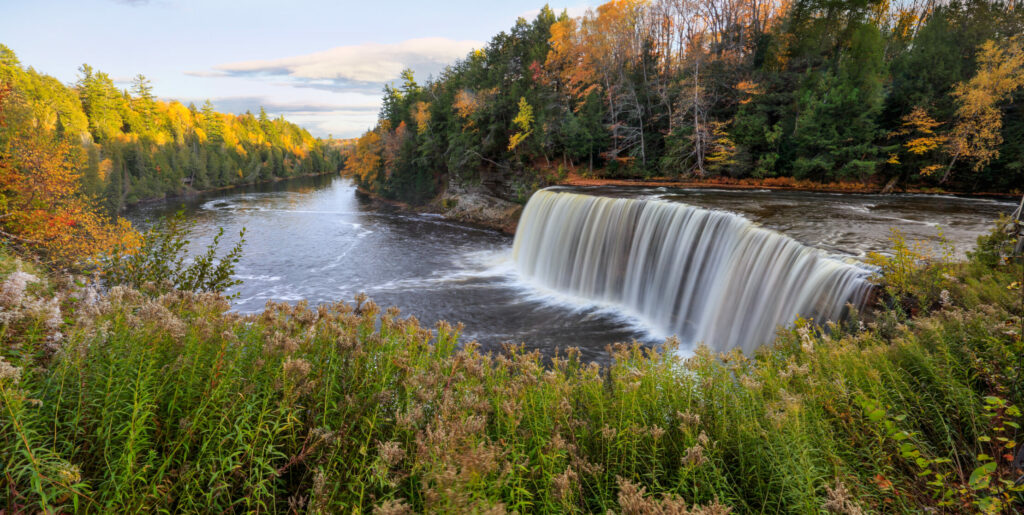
point(364, 67)
point(239, 105)
point(321, 119)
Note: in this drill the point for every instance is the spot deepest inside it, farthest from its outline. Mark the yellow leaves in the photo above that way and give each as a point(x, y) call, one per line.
point(978, 130)
point(421, 115)
point(920, 146)
point(524, 121)
point(723, 149)
point(920, 128)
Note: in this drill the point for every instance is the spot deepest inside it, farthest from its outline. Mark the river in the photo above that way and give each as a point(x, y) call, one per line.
point(316, 239)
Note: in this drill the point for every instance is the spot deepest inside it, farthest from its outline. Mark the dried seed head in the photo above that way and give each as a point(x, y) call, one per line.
point(840, 501)
point(9, 372)
point(391, 452)
point(296, 369)
point(694, 456)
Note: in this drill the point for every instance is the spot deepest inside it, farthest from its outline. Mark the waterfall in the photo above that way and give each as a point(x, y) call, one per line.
point(702, 275)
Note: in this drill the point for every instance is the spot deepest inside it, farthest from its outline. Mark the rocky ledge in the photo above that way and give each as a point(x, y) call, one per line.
point(477, 205)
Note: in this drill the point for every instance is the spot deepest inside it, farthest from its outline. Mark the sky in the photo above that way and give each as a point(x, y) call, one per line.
point(321, 64)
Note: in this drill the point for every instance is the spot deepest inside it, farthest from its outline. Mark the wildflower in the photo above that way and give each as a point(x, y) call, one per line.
point(296, 369)
point(69, 474)
point(631, 498)
point(391, 452)
point(564, 484)
point(12, 291)
point(608, 432)
point(688, 419)
point(944, 298)
point(703, 439)
point(749, 382)
point(694, 456)
point(806, 338)
point(162, 318)
point(9, 372)
point(840, 501)
point(409, 418)
point(656, 432)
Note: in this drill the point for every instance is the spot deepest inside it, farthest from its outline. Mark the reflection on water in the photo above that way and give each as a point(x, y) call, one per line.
point(316, 239)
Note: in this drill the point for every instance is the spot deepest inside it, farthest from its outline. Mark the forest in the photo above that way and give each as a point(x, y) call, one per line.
point(889, 94)
point(126, 145)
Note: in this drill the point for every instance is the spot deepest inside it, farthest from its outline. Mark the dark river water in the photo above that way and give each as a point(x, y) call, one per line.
point(316, 239)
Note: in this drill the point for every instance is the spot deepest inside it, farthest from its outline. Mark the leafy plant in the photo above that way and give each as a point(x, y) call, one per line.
point(162, 263)
point(916, 274)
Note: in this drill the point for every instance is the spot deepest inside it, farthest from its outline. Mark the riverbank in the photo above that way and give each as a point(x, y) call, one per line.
point(194, 193)
point(773, 183)
point(136, 402)
point(477, 206)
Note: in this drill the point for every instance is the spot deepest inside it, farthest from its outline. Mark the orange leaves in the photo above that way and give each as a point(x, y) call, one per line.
point(364, 161)
point(41, 206)
point(466, 103)
point(571, 58)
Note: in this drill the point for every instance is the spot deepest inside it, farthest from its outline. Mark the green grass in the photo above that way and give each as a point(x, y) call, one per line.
point(172, 404)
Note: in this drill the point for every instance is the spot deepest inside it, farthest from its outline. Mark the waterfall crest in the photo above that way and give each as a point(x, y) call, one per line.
point(705, 276)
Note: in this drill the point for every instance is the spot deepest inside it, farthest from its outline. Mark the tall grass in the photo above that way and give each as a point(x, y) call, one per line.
point(170, 403)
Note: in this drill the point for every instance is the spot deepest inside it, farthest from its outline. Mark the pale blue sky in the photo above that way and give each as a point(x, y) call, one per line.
point(321, 64)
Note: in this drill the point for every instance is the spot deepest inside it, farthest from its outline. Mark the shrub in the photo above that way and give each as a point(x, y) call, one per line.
point(163, 263)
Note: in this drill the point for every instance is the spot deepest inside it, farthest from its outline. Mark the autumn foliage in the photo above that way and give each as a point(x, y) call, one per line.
point(908, 95)
point(42, 207)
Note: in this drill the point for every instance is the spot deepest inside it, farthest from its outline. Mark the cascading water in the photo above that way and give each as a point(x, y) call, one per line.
point(704, 276)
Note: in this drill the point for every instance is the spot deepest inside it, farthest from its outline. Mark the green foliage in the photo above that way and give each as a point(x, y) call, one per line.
point(163, 263)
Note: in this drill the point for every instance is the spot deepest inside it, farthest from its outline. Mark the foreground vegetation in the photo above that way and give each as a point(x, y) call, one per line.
point(875, 93)
point(157, 399)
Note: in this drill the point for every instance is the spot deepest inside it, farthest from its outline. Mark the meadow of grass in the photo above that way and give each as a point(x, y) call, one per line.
point(144, 400)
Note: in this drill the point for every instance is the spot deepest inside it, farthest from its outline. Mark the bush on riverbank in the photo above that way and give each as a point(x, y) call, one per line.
point(145, 401)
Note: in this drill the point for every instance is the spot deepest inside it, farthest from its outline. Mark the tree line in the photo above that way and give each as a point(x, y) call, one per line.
point(134, 147)
point(919, 92)
point(72, 156)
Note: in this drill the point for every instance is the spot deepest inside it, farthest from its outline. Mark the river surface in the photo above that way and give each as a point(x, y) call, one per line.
point(317, 239)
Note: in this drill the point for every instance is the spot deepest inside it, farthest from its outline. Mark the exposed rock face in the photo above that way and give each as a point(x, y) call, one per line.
point(478, 205)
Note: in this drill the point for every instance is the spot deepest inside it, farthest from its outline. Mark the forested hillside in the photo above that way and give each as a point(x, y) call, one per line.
point(127, 146)
point(899, 93)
